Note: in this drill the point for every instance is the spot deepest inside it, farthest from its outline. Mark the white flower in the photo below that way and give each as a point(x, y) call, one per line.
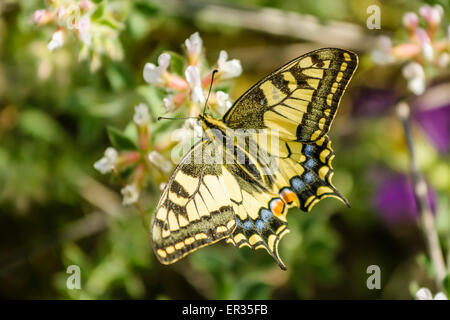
point(159, 161)
point(191, 128)
point(425, 294)
point(425, 43)
point(428, 51)
point(440, 296)
point(84, 26)
point(57, 40)
point(169, 104)
point(228, 68)
point(152, 73)
point(192, 74)
point(223, 102)
point(383, 53)
point(195, 127)
point(141, 116)
point(61, 12)
point(194, 45)
point(107, 163)
point(444, 59)
point(180, 134)
point(130, 194)
point(414, 73)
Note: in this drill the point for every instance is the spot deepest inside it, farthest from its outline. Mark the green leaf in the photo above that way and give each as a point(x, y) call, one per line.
point(139, 25)
point(98, 13)
point(119, 140)
point(446, 284)
point(147, 8)
point(113, 24)
point(153, 98)
point(177, 63)
point(118, 76)
point(41, 126)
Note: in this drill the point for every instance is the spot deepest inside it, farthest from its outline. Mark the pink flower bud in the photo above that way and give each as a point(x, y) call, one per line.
point(431, 14)
point(86, 5)
point(38, 15)
point(425, 44)
point(176, 82)
point(410, 20)
point(130, 157)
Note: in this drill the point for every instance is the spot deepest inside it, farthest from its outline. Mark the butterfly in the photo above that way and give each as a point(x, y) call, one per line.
point(245, 199)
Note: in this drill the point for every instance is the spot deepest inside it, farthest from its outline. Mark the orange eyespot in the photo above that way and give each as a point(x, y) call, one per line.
point(277, 206)
point(288, 195)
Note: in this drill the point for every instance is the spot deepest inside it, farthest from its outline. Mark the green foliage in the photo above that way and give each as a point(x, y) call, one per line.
point(119, 140)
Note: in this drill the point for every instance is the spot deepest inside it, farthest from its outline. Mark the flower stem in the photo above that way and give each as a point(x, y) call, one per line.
point(420, 194)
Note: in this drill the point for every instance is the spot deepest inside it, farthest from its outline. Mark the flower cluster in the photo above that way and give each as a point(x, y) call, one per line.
point(186, 91)
point(425, 53)
point(190, 87)
point(425, 294)
point(142, 159)
point(93, 24)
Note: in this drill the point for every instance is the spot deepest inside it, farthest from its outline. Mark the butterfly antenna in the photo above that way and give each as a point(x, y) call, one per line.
point(184, 118)
point(210, 87)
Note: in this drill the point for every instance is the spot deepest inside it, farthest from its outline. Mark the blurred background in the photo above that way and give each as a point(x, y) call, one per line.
point(66, 94)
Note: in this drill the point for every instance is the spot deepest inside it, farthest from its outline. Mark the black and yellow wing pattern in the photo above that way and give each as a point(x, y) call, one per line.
point(246, 202)
point(194, 209)
point(298, 103)
point(300, 99)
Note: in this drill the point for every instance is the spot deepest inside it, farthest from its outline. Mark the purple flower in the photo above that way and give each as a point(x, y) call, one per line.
point(373, 102)
point(395, 200)
point(431, 110)
point(435, 122)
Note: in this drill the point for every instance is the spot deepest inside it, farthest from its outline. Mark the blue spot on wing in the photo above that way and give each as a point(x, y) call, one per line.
point(259, 224)
point(309, 150)
point(309, 177)
point(247, 225)
point(297, 184)
point(310, 163)
point(265, 214)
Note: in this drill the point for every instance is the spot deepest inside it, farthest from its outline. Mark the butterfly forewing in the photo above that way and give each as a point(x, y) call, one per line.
point(194, 210)
point(300, 99)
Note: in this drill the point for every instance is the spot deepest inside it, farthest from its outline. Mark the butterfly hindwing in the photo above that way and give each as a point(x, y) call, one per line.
point(300, 99)
point(194, 210)
point(306, 170)
point(301, 177)
point(260, 213)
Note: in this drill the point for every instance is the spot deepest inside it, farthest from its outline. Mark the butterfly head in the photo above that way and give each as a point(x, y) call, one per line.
point(209, 123)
